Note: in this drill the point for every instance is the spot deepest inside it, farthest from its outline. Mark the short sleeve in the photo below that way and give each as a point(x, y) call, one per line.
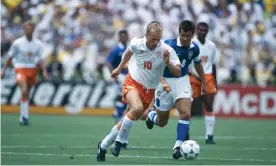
point(213, 54)
point(133, 46)
point(173, 57)
point(196, 57)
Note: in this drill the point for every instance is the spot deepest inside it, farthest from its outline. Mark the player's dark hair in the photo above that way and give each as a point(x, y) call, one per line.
point(203, 24)
point(123, 31)
point(187, 26)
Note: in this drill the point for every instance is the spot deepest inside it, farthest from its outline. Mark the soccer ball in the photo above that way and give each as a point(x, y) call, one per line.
point(190, 149)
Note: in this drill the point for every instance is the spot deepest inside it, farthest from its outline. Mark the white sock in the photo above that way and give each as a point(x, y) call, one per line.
point(209, 125)
point(125, 129)
point(110, 138)
point(24, 109)
point(178, 143)
point(152, 115)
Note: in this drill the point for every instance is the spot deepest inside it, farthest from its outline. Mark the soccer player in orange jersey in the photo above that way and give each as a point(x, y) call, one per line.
point(25, 55)
point(207, 56)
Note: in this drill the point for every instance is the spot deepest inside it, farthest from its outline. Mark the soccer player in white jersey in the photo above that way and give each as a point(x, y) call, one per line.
point(26, 56)
point(180, 92)
point(207, 56)
point(147, 59)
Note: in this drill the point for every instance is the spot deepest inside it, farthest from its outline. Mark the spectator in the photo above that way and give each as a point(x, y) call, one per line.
point(55, 69)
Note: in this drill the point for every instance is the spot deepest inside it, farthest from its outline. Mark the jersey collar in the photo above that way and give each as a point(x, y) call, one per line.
point(179, 44)
point(120, 45)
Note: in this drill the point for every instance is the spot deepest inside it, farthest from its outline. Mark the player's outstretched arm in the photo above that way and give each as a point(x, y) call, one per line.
point(126, 57)
point(8, 63)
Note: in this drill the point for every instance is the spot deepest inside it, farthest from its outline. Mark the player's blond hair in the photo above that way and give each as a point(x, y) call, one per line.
point(154, 26)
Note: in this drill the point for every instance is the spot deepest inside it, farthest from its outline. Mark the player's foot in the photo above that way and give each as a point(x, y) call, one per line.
point(210, 140)
point(124, 146)
point(116, 148)
point(24, 121)
point(187, 137)
point(176, 153)
point(149, 123)
point(101, 153)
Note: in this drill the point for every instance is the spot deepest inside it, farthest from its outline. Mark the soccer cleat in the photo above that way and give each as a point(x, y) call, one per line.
point(116, 148)
point(149, 123)
point(124, 146)
point(176, 153)
point(24, 122)
point(101, 153)
point(210, 140)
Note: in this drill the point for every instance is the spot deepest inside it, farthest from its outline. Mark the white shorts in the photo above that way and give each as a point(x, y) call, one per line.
point(181, 88)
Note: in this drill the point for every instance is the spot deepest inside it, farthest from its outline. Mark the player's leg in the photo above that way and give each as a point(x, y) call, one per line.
point(157, 117)
point(159, 114)
point(109, 140)
point(24, 102)
point(145, 114)
point(183, 106)
point(208, 100)
point(136, 110)
point(210, 118)
point(21, 81)
point(196, 93)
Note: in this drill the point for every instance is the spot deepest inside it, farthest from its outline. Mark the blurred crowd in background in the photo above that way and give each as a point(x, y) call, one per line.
point(78, 34)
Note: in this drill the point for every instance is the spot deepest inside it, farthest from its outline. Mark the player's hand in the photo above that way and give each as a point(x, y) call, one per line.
point(45, 75)
point(3, 74)
point(204, 87)
point(166, 87)
point(115, 73)
point(166, 56)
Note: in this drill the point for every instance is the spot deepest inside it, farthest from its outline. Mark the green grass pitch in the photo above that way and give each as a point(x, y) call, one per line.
point(72, 140)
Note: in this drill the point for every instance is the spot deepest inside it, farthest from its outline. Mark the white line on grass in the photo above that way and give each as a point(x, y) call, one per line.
point(132, 156)
point(131, 147)
point(92, 136)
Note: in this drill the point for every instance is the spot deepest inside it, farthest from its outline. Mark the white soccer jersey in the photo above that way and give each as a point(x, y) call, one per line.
point(147, 66)
point(25, 53)
point(207, 55)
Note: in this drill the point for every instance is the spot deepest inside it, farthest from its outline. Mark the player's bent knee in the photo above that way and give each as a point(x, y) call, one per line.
point(185, 115)
point(137, 111)
point(162, 123)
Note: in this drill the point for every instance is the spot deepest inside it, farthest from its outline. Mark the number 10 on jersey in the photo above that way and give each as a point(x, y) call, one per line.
point(147, 65)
